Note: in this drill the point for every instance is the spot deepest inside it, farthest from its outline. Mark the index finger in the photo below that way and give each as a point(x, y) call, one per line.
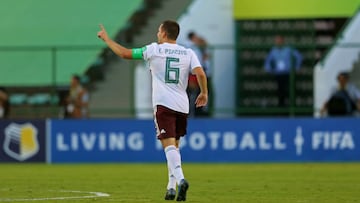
point(101, 26)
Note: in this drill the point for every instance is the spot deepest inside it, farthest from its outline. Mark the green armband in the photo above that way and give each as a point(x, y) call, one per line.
point(137, 53)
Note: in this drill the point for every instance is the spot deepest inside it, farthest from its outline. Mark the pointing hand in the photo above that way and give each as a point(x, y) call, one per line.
point(102, 34)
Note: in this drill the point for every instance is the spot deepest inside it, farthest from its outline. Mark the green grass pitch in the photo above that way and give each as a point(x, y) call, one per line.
point(250, 183)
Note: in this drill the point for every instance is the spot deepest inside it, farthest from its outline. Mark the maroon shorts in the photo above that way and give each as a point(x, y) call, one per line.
point(169, 123)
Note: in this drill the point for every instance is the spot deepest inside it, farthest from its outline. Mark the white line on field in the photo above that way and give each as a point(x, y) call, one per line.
point(90, 195)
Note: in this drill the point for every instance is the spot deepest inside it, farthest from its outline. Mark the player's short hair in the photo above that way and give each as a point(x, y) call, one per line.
point(171, 28)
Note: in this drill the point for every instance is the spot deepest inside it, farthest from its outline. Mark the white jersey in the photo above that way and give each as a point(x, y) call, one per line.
point(170, 65)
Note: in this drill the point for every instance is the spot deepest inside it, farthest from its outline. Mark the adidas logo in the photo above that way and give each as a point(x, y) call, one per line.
point(162, 131)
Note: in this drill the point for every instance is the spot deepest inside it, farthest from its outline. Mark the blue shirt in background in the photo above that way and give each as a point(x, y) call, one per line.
point(281, 59)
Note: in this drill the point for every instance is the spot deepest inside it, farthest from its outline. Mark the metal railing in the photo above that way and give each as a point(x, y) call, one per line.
point(52, 110)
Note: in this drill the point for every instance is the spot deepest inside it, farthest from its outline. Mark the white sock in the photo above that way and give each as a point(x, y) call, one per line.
point(174, 162)
point(172, 179)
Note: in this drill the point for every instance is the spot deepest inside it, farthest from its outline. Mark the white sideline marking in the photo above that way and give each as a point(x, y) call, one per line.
point(90, 195)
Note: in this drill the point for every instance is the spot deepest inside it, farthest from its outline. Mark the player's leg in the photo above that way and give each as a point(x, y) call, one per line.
point(174, 167)
point(172, 179)
point(171, 186)
point(176, 175)
point(174, 162)
point(165, 120)
point(173, 158)
point(181, 126)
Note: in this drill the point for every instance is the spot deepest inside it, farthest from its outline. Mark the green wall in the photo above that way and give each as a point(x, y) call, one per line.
point(26, 23)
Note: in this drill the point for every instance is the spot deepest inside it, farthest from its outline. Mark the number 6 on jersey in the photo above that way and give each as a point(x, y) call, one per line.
point(172, 74)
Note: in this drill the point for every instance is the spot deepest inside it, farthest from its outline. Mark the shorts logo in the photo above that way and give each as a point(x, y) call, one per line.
point(21, 141)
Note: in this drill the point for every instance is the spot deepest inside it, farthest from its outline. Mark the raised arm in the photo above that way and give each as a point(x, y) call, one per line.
point(115, 47)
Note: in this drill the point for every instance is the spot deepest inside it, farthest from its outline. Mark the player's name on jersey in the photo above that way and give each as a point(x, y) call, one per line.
point(175, 51)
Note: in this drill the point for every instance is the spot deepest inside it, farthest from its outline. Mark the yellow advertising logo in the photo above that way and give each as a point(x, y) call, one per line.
point(21, 141)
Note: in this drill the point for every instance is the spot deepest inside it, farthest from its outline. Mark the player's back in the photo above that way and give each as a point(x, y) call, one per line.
point(170, 65)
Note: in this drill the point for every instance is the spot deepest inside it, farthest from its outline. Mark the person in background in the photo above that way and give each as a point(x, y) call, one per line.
point(4, 103)
point(77, 101)
point(200, 48)
point(344, 99)
point(280, 62)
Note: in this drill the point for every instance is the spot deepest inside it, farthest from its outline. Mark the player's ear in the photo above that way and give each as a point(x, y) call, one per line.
point(162, 35)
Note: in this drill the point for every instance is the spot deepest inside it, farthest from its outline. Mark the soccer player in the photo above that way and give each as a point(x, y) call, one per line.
point(169, 65)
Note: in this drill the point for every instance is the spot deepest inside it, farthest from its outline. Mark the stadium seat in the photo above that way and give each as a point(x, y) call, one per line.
point(18, 99)
point(39, 99)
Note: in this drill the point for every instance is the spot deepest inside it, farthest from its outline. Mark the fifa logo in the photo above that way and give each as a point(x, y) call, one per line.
point(21, 141)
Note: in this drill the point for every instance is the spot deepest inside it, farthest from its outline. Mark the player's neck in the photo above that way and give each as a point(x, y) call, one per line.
point(169, 41)
point(172, 41)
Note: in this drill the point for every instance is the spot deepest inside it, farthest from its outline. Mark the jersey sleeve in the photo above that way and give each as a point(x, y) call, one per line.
point(149, 51)
point(194, 60)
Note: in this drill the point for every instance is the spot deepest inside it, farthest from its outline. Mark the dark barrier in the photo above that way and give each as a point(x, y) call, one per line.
point(235, 140)
point(22, 141)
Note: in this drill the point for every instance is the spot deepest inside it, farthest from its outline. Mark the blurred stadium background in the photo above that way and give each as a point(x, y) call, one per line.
point(44, 42)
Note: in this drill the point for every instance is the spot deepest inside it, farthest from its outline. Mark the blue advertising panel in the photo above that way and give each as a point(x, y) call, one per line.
point(259, 140)
point(103, 141)
point(208, 140)
point(22, 141)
